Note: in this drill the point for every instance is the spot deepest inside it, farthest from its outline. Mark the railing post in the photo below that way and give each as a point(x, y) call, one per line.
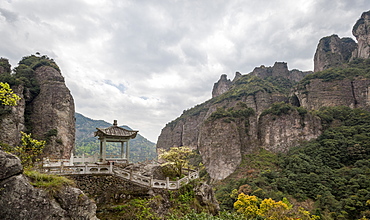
point(71, 160)
point(61, 167)
point(167, 182)
point(151, 181)
point(85, 170)
point(110, 167)
point(131, 174)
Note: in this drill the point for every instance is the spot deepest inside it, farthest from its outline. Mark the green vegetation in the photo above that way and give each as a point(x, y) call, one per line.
point(7, 97)
point(352, 70)
point(140, 148)
point(176, 158)
point(282, 108)
point(330, 175)
point(29, 152)
point(231, 114)
point(50, 183)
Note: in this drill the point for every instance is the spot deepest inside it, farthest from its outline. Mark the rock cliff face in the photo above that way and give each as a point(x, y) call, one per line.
point(20, 200)
point(223, 140)
point(361, 31)
point(222, 86)
point(319, 93)
point(12, 123)
point(49, 114)
point(52, 113)
point(278, 134)
point(333, 51)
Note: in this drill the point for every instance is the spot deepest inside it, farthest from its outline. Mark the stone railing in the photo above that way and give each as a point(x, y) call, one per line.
point(79, 169)
point(154, 183)
point(96, 169)
point(73, 160)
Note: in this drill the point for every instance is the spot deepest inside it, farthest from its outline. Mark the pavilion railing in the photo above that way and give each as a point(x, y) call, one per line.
point(130, 175)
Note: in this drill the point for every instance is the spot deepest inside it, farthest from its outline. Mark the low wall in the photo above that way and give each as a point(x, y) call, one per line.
point(108, 189)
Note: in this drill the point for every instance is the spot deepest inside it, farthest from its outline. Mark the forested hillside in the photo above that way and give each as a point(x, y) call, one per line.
point(140, 148)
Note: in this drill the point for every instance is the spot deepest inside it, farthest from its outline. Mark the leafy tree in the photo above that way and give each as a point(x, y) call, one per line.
point(7, 97)
point(29, 151)
point(176, 158)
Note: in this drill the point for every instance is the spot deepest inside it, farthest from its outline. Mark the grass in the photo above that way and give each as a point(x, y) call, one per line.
point(50, 183)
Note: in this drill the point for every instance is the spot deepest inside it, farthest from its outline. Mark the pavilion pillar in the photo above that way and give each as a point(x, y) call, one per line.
point(127, 151)
point(104, 153)
point(122, 149)
point(101, 150)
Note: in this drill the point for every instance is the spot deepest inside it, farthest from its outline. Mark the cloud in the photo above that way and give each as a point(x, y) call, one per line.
point(144, 62)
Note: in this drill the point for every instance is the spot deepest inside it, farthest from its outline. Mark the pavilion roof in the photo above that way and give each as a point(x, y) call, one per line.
point(115, 131)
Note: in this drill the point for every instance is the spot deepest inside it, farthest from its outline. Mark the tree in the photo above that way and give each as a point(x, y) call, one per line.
point(29, 151)
point(7, 97)
point(255, 208)
point(176, 158)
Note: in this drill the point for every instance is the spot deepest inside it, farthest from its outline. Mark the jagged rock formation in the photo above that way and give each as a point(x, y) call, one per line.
point(52, 113)
point(221, 142)
point(319, 93)
point(12, 122)
point(222, 86)
point(48, 114)
point(222, 136)
point(278, 134)
point(20, 200)
point(361, 31)
point(333, 51)
point(280, 69)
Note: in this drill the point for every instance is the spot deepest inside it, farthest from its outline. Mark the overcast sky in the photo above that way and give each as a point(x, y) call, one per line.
point(143, 62)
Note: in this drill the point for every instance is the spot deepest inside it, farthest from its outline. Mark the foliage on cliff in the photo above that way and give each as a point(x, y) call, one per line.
point(330, 175)
point(356, 68)
point(140, 148)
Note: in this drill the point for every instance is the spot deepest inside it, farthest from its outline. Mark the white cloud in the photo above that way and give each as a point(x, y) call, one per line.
point(144, 62)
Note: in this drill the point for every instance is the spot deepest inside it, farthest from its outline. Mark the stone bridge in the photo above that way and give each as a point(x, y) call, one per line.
point(128, 175)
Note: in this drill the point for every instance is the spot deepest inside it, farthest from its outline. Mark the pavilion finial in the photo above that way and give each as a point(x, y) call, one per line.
point(115, 122)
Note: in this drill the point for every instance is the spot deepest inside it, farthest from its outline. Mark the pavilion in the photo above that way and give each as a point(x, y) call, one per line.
point(114, 134)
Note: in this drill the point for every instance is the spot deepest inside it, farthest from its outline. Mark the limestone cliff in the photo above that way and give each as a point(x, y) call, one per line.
point(12, 119)
point(52, 113)
point(224, 128)
point(348, 92)
point(20, 200)
point(46, 108)
point(222, 86)
point(361, 31)
point(333, 51)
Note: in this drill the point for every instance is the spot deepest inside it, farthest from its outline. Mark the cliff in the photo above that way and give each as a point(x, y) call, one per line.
point(52, 113)
point(333, 51)
point(361, 30)
point(230, 124)
point(21, 200)
point(271, 107)
point(46, 108)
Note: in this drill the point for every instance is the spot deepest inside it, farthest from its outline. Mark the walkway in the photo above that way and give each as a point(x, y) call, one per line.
point(128, 175)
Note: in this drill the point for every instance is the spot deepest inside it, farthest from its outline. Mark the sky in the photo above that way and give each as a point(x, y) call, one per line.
point(143, 62)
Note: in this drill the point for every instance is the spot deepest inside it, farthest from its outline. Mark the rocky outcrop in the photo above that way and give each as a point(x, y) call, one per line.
point(319, 93)
point(223, 85)
point(361, 31)
point(20, 200)
point(280, 133)
point(47, 112)
point(12, 120)
point(223, 141)
point(52, 113)
point(333, 51)
point(280, 69)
